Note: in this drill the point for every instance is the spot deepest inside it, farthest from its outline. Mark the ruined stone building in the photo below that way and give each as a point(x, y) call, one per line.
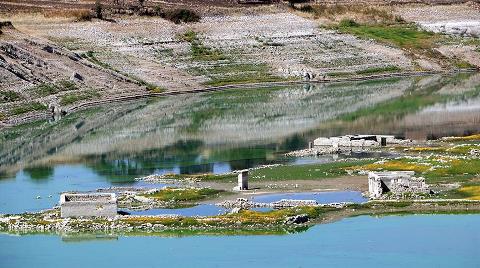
point(359, 141)
point(88, 205)
point(396, 182)
point(242, 180)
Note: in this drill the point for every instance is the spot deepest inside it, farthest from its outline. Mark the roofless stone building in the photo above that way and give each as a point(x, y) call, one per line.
point(88, 205)
point(396, 182)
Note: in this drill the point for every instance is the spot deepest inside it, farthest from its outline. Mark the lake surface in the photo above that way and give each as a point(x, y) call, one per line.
point(221, 131)
point(393, 241)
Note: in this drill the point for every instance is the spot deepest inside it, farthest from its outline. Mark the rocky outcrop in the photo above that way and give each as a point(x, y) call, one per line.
point(297, 219)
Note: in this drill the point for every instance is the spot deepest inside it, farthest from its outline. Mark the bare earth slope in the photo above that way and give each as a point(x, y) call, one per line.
point(57, 61)
point(36, 73)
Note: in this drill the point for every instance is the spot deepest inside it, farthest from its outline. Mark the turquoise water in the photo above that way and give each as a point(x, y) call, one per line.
point(394, 241)
point(210, 209)
point(219, 132)
point(25, 192)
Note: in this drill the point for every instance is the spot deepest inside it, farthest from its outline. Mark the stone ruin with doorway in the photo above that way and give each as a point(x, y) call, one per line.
point(395, 182)
point(88, 205)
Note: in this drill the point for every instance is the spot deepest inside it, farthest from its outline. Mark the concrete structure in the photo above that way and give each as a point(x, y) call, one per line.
point(242, 180)
point(396, 182)
point(356, 141)
point(88, 205)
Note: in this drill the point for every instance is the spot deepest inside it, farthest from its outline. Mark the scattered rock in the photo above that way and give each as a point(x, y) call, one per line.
point(297, 219)
point(76, 76)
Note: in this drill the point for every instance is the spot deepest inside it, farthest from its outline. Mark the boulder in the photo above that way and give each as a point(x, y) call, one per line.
point(297, 219)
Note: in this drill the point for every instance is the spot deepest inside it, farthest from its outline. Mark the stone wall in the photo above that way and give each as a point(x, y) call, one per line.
point(88, 205)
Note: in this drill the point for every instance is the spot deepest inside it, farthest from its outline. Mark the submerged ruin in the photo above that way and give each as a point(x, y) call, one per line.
point(88, 205)
point(395, 182)
point(357, 141)
point(242, 181)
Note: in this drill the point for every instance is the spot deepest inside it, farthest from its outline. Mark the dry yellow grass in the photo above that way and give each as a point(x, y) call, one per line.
point(395, 165)
point(466, 138)
point(473, 192)
point(426, 149)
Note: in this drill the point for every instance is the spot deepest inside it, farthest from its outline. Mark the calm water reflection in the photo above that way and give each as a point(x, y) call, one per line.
point(221, 131)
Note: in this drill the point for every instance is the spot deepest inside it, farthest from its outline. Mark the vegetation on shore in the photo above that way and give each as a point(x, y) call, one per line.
point(221, 68)
point(92, 57)
point(244, 222)
point(28, 107)
point(284, 172)
point(184, 194)
point(475, 137)
point(383, 25)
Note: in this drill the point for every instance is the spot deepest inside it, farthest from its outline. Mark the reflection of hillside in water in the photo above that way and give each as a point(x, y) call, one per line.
point(456, 112)
point(247, 126)
point(234, 118)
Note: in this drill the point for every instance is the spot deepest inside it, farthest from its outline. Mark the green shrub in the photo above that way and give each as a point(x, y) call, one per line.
point(9, 96)
point(98, 9)
point(189, 36)
point(177, 16)
point(347, 23)
point(66, 85)
point(307, 9)
point(182, 15)
point(74, 97)
point(45, 89)
point(28, 107)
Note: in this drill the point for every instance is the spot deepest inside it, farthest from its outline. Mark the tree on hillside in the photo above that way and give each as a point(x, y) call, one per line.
point(98, 9)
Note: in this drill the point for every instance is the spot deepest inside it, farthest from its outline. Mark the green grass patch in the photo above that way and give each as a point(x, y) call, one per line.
point(305, 172)
point(76, 97)
point(244, 73)
point(9, 96)
point(467, 191)
point(91, 56)
point(402, 35)
point(340, 74)
point(204, 177)
point(198, 50)
point(434, 168)
point(29, 107)
point(406, 36)
point(375, 70)
point(222, 70)
point(46, 89)
point(184, 195)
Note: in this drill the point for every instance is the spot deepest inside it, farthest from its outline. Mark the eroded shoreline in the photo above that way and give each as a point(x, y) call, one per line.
point(282, 221)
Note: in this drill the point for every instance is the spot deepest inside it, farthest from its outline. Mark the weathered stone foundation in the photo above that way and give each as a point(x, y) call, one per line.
point(88, 205)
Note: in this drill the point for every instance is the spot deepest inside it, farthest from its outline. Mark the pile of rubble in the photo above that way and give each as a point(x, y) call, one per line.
point(347, 143)
point(396, 184)
point(243, 203)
